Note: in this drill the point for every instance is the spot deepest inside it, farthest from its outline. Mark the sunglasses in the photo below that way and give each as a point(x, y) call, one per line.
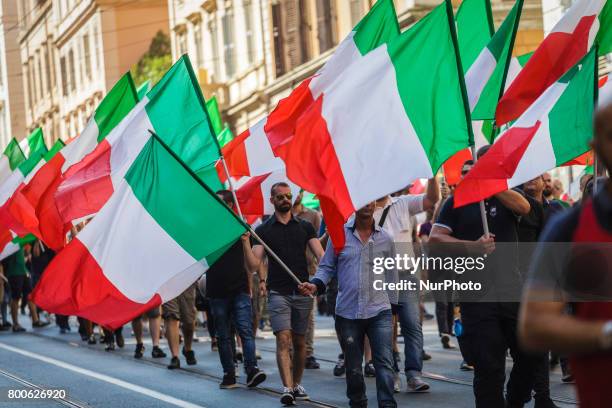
point(279, 197)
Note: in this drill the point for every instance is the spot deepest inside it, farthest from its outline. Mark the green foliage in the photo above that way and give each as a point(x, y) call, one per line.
point(155, 62)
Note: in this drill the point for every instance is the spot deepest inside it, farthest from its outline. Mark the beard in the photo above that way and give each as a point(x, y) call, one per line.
point(282, 208)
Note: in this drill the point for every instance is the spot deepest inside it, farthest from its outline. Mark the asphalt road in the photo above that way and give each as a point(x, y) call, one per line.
point(44, 359)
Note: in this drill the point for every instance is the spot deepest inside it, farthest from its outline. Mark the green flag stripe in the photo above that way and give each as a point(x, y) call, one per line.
point(57, 146)
point(474, 29)
point(178, 114)
point(429, 85)
point(36, 141)
point(115, 105)
point(571, 119)
point(501, 47)
point(215, 116)
point(377, 27)
point(14, 154)
point(190, 214)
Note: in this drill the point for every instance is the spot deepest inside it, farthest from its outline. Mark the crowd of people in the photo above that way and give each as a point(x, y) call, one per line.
point(251, 282)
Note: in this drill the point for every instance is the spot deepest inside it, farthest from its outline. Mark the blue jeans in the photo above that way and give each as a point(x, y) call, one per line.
point(412, 332)
point(352, 334)
point(238, 309)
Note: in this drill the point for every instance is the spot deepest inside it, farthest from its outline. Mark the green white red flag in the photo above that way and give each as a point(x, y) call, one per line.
point(33, 208)
point(140, 251)
point(555, 129)
point(174, 109)
point(568, 42)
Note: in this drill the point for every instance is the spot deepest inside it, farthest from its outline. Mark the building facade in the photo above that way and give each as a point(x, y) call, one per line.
point(252, 53)
point(73, 51)
point(12, 113)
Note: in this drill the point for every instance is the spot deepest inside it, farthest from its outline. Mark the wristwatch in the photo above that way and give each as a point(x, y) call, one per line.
point(606, 335)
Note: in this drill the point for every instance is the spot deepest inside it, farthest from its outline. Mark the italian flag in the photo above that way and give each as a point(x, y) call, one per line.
point(34, 142)
point(486, 76)
point(140, 250)
point(175, 110)
point(475, 28)
point(554, 130)
point(33, 206)
point(255, 152)
point(11, 158)
point(568, 42)
point(487, 60)
point(404, 99)
point(12, 237)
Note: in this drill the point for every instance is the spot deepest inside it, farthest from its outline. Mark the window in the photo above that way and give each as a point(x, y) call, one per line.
point(228, 43)
point(31, 84)
point(72, 71)
point(277, 34)
point(64, 74)
point(197, 39)
point(40, 74)
point(48, 70)
point(214, 39)
point(324, 25)
point(248, 29)
point(356, 11)
point(87, 56)
point(96, 41)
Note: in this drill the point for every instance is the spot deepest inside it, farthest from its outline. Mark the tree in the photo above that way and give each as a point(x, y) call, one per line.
point(155, 62)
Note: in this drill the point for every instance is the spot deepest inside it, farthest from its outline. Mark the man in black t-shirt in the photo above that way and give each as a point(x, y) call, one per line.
point(229, 291)
point(288, 236)
point(489, 329)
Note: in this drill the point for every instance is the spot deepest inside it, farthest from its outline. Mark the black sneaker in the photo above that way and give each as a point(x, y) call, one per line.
point(4, 328)
point(445, 340)
point(18, 329)
point(255, 377)
point(190, 357)
point(369, 370)
point(339, 369)
point(287, 397)
point(120, 340)
point(92, 339)
point(426, 356)
point(312, 363)
point(157, 352)
point(140, 348)
point(40, 324)
point(229, 381)
point(110, 347)
point(299, 393)
point(174, 363)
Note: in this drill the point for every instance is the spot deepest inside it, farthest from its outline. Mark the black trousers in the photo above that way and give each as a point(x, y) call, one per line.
point(489, 330)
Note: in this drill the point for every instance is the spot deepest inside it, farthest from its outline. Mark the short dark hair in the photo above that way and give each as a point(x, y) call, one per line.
point(279, 184)
point(468, 162)
point(226, 196)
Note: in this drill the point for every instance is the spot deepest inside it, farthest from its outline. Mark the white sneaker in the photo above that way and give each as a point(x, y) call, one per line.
point(416, 384)
point(397, 383)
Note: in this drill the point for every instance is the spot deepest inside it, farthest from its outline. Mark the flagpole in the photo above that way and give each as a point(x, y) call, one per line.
point(596, 101)
point(231, 186)
point(466, 107)
point(216, 197)
point(483, 212)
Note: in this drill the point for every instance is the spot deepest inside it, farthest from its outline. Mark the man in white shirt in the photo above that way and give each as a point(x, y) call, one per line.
point(394, 215)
